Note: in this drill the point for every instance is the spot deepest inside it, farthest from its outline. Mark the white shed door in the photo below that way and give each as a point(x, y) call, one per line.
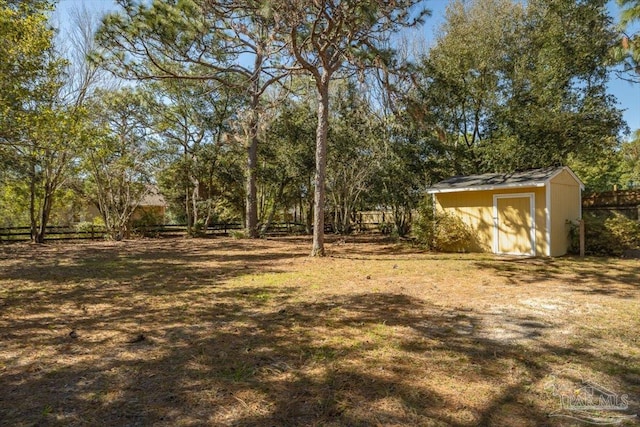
point(514, 231)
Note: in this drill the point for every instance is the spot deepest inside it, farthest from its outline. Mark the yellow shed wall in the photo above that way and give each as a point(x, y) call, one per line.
point(565, 208)
point(475, 208)
point(565, 178)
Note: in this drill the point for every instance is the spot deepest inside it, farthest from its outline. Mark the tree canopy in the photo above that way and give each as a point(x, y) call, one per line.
point(327, 37)
point(627, 51)
point(305, 112)
point(520, 86)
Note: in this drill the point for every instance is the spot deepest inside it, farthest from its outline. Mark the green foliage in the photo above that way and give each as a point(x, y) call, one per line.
point(354, 152)
point(626, 52)
point(630, 11)
point(441, 231)
point(119, 159)
point(145, 220)
point(409, 155)
point(26, 65)
point(287, 153)
point(507, 85)
point(612, 166)
point(14, 202)
point(385, 227)
point(522, 85)
point(96, 225)
point(608, 235)
point(233, 44)
point(599, 172)
point(201, 169)
point(564, 48)
point(237, 234)
point(68, 206)
point(630, 162)
point(37, 131)
point(327, 38)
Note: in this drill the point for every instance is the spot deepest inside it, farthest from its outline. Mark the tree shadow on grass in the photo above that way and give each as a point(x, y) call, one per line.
point(89, 274)
point(243, 358)
point(599, 276)
point(198, 351)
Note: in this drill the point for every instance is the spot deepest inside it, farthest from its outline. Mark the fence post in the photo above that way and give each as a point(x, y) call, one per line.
point(581, 231)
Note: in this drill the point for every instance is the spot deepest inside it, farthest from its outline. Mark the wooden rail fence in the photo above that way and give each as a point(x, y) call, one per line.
point(16, 234)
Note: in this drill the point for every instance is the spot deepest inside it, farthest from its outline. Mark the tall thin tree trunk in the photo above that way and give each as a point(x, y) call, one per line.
point(187, 203)
point(251, 218)
point(309, 216)
point(187, 207)
point(251, 224)
point(321, 167)
point(274, 206)
point(194, 203)
point(32, 204)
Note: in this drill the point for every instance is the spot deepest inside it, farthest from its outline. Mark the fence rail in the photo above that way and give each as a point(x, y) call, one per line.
point(56, 232)
point(612, 198)
point(16, 234)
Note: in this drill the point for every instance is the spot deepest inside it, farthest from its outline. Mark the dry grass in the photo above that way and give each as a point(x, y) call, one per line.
point(235, 332)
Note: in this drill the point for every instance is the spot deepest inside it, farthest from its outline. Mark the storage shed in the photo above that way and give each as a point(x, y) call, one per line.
point(521, 213)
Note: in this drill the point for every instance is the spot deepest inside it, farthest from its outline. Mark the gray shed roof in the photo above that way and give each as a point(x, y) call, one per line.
point(490, 181)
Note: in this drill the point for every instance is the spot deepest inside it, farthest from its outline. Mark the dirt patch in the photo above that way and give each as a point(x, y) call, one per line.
point(238, 332)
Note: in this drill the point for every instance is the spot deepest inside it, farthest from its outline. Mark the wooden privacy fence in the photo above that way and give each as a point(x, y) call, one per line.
point(625, 202)
point(612, 199)
point(372, 220)
point(16, 234)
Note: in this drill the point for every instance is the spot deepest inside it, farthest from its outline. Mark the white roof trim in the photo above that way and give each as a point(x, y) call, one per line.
point(486, 187)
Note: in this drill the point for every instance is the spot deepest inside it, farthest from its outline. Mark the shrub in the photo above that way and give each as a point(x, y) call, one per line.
point(441, 231)
point(385, 227)
point(423, 224)
point(97, 226)
point(607, 235)
point(199, 228)
point(451, 233)
point(146, 221)
point(85, 226)
point(237, 234)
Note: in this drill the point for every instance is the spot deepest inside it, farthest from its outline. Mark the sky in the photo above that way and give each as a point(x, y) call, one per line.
point(627, 94)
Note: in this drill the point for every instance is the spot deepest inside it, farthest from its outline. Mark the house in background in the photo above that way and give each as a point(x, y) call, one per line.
point(152, 208)
point(522, 213)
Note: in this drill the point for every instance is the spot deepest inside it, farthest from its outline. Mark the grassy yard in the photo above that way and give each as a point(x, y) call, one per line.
point(184, 332)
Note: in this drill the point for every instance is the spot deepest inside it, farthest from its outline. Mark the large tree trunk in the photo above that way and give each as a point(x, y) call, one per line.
point(47, 204)
point(251, 218)
point(321, 167)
